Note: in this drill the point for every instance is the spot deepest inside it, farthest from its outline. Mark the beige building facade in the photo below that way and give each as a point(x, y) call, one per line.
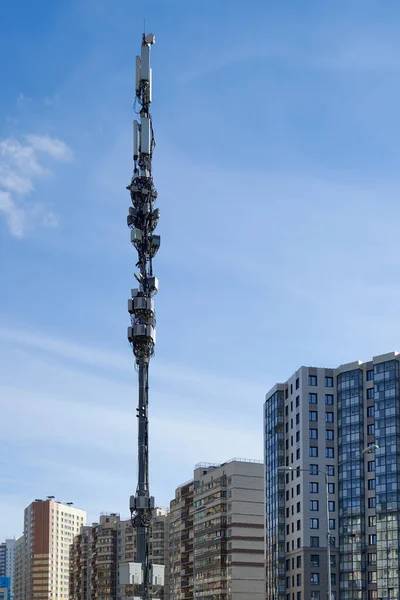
point(216, 533)
point(42, 554)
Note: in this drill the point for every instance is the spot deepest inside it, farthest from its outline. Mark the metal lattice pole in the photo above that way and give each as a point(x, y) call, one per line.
point(142, 220)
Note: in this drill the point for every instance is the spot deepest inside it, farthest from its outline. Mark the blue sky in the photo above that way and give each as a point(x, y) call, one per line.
point(277, 170)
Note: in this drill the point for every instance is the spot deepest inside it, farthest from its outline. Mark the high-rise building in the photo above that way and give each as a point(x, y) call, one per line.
point(331, 421)
point(7, 557)
point(216, 533)
point(19, 569)
point(3, 554)
point(10, 563)
point(42, 554)
point(98, 552)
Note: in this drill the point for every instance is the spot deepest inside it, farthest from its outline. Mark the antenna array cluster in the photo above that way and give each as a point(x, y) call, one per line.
point(142, 221)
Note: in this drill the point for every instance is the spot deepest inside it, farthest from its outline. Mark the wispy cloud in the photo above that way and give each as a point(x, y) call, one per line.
point(369, 53)
point(87, 416)
point(21, 164)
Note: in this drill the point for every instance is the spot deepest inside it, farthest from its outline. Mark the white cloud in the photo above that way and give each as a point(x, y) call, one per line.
point(14, 216)
point(21, 164)
point(56, 148)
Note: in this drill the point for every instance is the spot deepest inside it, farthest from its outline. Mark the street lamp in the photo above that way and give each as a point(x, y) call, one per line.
point(367, 450)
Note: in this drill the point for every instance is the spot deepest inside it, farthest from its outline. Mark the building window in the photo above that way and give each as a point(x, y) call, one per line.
point(298, 489)
point(286, 393)
point(297, 383)
point(298, 525)
point(330, 453)
point(315, 595)
point(328, 381)
point(313, 398)
point(371, 502)
point(312, 380)
point(332, 524)
point(370, 393)
point(329, 417)
point(371, 411)
point(372, 521)
point(313, 469)
point(371, 576)
point(329, 399)
point(314, 523)
point(298, 507)
point(331, 506)
point(331, 488)
point(297, 401)
point(372, 539)
point(330, 469)
point(371, 465)
point(298, 562)
point(286, 411)
point(314, 541)
point(314, 579)
point(299, 542)
point(371, 484)
point(313, 487)
point(313, 434)
point(298, 596)
point(372, 558)
point(314, 560)
point(370, 375)
point(313, 415)
point(329, 435)
point(298, 579)
point(297, 436)
point(314, 451)
point(314, 505)
point(371, 429)
point(297, 453)
point(298, 419)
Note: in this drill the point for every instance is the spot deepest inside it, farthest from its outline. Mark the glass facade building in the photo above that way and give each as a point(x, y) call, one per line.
point(275, 496)
point(322, 421)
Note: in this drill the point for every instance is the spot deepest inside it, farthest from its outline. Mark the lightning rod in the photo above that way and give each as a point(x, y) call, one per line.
point(142, 221)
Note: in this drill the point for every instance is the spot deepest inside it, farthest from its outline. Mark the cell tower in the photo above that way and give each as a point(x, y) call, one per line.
point(142, 221)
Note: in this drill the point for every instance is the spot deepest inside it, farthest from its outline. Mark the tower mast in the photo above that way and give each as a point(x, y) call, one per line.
point(142, 221)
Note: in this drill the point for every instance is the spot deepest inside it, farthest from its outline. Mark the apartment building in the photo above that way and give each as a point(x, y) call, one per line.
point(42, 554)
point(98, 552)
point(331, 421)
point(216, 533)
point(19, 569)
point(7, 558)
